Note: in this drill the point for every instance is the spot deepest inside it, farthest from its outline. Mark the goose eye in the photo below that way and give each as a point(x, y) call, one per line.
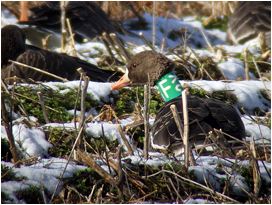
point(134, 65)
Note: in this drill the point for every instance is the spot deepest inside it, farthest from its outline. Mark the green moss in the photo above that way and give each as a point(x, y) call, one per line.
point(223, 96)
point(9, 175)
point(62, 141)
point(126, 99)
point(31, 195)
point(215, 23)
point(5, 197)
point(85, 180)
point(54, 99)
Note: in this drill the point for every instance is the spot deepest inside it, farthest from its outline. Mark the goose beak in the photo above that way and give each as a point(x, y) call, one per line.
point(123, 82)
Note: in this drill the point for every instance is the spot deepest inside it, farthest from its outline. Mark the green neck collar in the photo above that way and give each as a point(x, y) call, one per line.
point(169, 86)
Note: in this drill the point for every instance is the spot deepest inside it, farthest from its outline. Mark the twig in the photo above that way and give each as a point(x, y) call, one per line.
point(166, 25)
point(268, 93)
point(43, 107)
point(63, 29)
point(146, 41)
point(140, 18)
point(25, 122)
point(177, 120)
point(83, 110)
point(71, 153)
point(245, 51)
point(106, 46)
point(80, 70)
point(8, 129)
point(50, 108)
point(72, 42)
point(154, 24)
point(110, 41)
point(120, 174)
point(146, 119)
point(120, 45)
point(255, 168)
point(202, 186)
point(142, 198)
point(130, 151)
point(206, 39)
point(107, 177)
point(230, 175)
point(44, 41)
point(39, 70)
point(181, 200)
point(186, 128)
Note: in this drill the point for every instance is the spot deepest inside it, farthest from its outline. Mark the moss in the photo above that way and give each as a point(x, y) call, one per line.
point(126, 99)
point(31, 195)
point(9, 174)
point(54, 99)
point(216, 23)
point(62, 141)
point(223, 96)
point(5, 197)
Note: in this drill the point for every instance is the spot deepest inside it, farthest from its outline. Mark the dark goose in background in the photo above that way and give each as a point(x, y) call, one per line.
point(87, 19)
point(248, 20)
point(204, 114)
point(13, 47)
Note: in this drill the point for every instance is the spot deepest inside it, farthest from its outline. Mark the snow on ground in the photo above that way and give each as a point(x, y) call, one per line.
point(32, 141)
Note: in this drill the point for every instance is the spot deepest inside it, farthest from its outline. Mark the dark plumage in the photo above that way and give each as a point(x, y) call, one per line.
point(13, 47)
point(87, 19)
point(204, 114)
point(248, 20)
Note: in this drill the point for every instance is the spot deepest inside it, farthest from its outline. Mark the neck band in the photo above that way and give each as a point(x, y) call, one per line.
point(169, 86)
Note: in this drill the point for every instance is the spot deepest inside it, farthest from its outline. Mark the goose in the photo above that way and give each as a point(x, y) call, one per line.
point(87, 19)
point(13, 47)
point(249, 19)
point(204, 114)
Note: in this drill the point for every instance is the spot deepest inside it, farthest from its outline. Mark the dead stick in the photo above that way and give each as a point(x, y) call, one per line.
point(146, 41)
point(39, 70)
point(107, 46)
point(130, 151)
point(255, 169)
point(146, 116)
point(50, 108)
point(80, 70)
point(8, 129)
point(25, 122)
point(83, 110)
point(43, 107)
point(186, 127)
point(110, 41)
point(120, 45)
point(72, 38)
point(63, 29)
point(246, 63)
point(107, 177)
point(120, 174)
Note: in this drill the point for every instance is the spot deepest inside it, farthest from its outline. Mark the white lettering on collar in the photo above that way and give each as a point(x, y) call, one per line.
point(164, 89)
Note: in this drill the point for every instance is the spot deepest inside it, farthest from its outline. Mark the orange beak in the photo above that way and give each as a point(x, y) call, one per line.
point(124, 81)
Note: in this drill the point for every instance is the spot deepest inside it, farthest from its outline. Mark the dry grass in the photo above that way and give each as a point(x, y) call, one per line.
point(121, 10)
point(171, 182)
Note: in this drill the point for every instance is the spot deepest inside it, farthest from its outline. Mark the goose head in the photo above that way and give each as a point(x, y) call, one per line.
point(145, 67)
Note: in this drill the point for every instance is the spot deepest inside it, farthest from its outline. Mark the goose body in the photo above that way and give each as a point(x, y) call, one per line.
point(249, 19)
point(87, 19)
point(13, 47)
point(204, 114)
